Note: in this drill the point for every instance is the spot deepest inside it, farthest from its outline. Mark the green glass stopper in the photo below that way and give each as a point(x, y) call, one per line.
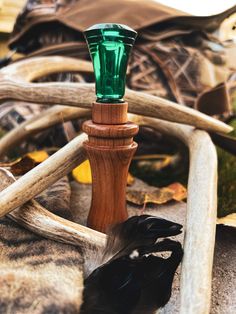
point(110, 46)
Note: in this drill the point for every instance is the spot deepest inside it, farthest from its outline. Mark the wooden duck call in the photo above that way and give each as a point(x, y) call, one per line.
point(110, 144)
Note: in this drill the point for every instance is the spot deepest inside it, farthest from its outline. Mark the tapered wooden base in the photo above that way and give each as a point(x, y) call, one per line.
point(110, 149)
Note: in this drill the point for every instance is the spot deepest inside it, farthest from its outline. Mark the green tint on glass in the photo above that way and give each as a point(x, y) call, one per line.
point(109, 46)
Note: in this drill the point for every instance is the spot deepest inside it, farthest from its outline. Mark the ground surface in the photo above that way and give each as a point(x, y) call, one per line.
point(224, 272)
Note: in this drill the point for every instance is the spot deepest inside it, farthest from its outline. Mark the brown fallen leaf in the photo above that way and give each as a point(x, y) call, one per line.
point(130, 179)
point(22, 165)
point(82, 174)
point(174, 191)
point(229, 220)
point(158, 196)
point(180, 192)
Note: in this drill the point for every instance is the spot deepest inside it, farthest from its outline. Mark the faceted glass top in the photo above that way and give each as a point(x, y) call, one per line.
point(110, 46)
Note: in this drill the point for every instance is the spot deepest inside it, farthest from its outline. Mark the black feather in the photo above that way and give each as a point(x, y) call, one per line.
point(134, 279)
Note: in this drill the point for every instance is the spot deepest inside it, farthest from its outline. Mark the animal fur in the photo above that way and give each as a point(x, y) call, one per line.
point(37, 275)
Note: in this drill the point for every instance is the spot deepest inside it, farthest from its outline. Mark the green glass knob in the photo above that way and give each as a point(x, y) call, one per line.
point(110, 46)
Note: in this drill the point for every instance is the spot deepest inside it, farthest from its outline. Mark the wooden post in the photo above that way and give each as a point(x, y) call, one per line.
point(110, 148)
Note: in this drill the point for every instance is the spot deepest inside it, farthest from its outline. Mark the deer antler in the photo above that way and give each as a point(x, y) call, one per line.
point(200, 227)
point(44, 175)
point(201, 204)
point(36, 218)
point(29, 70)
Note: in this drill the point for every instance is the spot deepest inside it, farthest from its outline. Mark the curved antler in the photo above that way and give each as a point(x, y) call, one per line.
point(200, 225)
point(201, 216)
point(30, 69)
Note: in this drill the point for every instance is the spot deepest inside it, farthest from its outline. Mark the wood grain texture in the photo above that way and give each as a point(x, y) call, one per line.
point(110, 149)
point(109, 172)
point(104, 113)
point(13, 86)
point(199, 240)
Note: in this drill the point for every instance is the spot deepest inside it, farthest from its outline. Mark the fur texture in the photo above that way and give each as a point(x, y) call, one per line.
point(39, 276)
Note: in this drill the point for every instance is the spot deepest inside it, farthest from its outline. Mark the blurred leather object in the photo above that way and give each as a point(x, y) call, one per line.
point(224, 141)
point(80, 14)
point(215, 101)
point(173, 53)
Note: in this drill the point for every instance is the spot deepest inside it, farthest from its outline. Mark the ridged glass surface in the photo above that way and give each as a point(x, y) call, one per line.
point(109, 46)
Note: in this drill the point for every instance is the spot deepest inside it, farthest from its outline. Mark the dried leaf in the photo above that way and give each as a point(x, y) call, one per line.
point(180, 192)
point(174, 191)
point(130, 179)
point(136, 197)
point(38, 156)
point(229, 220)
point(82, 174)
point(157, 196)
point(154, 162)
point(22, 165)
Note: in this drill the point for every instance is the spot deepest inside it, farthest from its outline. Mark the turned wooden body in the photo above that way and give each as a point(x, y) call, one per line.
point(110, 148)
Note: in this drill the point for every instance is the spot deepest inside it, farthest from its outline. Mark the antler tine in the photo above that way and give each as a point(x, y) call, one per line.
point(31, 69)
